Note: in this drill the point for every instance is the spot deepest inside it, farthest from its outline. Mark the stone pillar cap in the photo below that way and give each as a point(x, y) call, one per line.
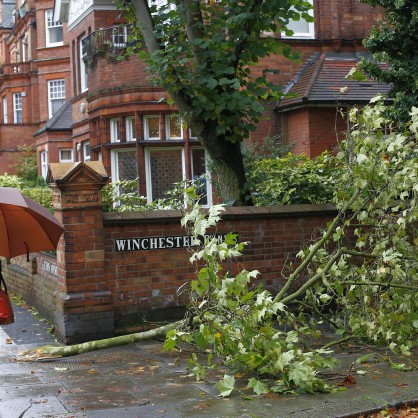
point(92, 172)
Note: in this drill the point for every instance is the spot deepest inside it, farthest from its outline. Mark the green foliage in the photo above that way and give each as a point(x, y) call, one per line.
point(206, 58)
point(7, 180)
point(393, 41)
point(203, 55)
point(123, 196)
point(27, 165)
point(269, 147)
point(42, 195)
point(376, 276)
point(360, 277)
point(241, 324)
point(293, 179)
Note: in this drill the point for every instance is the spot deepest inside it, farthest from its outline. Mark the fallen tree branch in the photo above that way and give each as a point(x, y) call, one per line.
point(342, 340)
point(51, 352)
point(280, 297)
point(380, 284)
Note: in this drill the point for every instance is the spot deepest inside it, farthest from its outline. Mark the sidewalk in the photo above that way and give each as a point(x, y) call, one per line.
point(138, 380)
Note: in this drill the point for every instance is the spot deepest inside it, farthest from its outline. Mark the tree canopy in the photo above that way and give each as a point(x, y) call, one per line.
point(393, 41)
point(202, 53)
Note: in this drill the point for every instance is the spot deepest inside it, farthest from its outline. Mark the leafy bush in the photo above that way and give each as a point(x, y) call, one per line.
point(7, 180)
point(42, 195)
point(293, 179)
point(26, 165)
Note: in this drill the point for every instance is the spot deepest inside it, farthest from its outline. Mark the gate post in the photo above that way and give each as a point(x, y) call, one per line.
point(83, 302)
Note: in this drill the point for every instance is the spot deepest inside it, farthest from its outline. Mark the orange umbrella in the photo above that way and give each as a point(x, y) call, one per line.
point(25, 225)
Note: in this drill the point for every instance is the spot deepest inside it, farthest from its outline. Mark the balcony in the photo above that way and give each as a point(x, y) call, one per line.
point(111, 42)
point(16, 68)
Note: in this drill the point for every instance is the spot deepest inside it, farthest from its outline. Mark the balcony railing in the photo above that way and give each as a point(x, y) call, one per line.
point(110, 41)
point(16, 68)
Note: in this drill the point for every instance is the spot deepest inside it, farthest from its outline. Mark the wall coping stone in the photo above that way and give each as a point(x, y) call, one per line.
point(172, 216)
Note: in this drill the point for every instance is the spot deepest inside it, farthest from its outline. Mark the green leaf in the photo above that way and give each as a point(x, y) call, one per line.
point(226, 385)
point(230, 238)
point(363, 359)
point(258, 387)
point(399, 366)
point(324, 298)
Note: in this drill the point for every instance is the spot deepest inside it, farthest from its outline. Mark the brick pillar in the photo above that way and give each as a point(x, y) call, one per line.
point(83, 302)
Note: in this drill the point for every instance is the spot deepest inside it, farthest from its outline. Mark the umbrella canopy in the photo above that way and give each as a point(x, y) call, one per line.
point(25, 225)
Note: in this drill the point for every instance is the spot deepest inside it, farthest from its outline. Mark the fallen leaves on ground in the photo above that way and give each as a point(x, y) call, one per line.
point(403, 412)
point(349, 380)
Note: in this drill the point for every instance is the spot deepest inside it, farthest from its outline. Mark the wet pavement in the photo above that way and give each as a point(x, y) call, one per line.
point(139, 380)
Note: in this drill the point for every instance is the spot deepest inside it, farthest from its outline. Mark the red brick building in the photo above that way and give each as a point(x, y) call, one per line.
point(113, 114)
point(35, 77)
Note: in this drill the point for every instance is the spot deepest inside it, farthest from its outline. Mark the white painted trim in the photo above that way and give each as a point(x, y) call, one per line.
point(89, 10)
point(146, 128)
point(168, 118)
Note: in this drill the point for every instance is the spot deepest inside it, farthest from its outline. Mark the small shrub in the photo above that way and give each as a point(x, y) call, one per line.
point(293, 179)
point(7, 180)
point(42, 195)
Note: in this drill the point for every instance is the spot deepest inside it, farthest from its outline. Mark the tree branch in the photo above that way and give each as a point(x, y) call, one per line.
point(145, 23)
point(315, 249)
point(312, 280)
point(48, 352)
point(242, 42)
point(342, 340)
point(315, 309)
point(194, 27)
point(394, 285)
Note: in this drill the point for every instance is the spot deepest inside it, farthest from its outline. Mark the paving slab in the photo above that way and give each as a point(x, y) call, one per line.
point(139, 380)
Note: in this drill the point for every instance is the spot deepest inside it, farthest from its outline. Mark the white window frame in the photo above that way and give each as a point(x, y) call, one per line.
point(310, 34)
point(114, 130)
point(114, 162)
point(56, 91)
point(168, 119)
point(114, 155)
point(51, 24)
point(120, 33)
point(17, 107)
point(208, 177)
point(5, 110)
point(146, 128)
point(83, 66)
point(86, 151)
point(191, 136)
point(44, 163)
point(129, 126)
point(66, 160)
point(148, 173)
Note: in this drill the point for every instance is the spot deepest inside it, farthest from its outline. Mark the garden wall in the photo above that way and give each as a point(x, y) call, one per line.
point(117, 267)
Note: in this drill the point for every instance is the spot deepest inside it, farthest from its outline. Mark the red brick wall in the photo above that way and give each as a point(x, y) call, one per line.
point(314, 130)
point(147, 281)
point(12, 136)
point(36, 280)
point(141, 284)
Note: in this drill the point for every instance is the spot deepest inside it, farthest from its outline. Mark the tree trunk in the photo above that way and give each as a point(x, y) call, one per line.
point(50, 352)
point(228, 166)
